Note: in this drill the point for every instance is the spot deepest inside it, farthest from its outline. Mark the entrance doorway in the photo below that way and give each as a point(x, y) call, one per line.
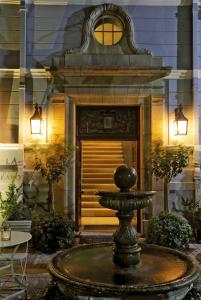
point(105, 139)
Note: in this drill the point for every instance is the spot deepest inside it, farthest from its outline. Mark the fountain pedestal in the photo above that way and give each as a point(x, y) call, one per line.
point(91, 272)
point(126, 251)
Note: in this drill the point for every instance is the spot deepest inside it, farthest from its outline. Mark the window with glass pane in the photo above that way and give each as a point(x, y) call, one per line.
point(108, 31)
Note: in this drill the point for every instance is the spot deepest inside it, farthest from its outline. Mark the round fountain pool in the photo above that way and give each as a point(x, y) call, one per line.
point(89, 271)
point(124, 269)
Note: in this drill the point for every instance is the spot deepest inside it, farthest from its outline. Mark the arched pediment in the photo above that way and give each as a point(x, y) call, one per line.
point(94, 14)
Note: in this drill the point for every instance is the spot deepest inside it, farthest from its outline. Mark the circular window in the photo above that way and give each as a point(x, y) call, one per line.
point(108, 30)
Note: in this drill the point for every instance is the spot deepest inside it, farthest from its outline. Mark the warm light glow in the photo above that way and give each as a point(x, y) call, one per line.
point(181, 122)
point(36, 121)
point(42, 135)
point(181, 127)
point(108, 31)
point(36, 127)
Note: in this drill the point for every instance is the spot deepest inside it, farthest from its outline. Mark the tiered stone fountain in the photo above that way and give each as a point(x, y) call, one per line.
point(133, 271)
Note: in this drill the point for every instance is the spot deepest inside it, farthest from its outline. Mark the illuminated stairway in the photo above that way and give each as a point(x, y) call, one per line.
point(99, 160)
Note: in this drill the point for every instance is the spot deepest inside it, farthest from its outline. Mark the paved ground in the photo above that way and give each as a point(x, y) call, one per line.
point(39, 279)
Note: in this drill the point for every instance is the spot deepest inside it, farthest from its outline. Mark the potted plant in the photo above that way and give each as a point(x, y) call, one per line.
point(13, 210)
point(5, 231)
point(167, 163)
point(51, 163)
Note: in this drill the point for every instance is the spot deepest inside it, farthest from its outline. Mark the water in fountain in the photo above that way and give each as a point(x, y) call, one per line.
point(124, 270)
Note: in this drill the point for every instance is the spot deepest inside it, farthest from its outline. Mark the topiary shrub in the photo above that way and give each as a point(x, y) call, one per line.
point(52, 232)
point(169, 230)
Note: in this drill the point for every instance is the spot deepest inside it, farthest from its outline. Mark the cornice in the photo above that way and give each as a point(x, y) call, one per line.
point(42, 73)
point(15, 73)
point(9, 73)
point(96, 2)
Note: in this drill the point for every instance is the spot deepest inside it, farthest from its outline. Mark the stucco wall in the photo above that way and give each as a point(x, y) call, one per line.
point(167, 31)
point(164, 30)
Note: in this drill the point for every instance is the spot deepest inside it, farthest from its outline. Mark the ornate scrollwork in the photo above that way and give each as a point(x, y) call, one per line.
point(107, 9)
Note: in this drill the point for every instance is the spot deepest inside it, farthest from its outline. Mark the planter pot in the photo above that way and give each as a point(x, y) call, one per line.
point(22, 225)
point(5, 235)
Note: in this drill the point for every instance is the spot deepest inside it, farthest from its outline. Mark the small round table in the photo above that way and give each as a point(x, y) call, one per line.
point(17, 238)
point(7, 259)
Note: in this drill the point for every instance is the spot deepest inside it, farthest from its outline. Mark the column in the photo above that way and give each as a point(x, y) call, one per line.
point(23, 71)
point(197, 171)
point(197, 177)
point(69, 178)
point(195, 67)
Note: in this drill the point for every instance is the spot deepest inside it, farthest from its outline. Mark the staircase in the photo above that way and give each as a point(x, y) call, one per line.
point(99, 161)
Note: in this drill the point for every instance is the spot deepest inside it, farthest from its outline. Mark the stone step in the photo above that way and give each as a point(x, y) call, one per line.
point(90, 204)
point(102, 222)
point(94, 192)
point(98, 175)
point(100, 166)
point(98, 180)
point(97, 212)
point(99, 222)
point(98, 170)
point(104, 151)
point(89, 198)
point(102, 186)
point(101, 146)
point(101, 142)
point(100, 161)
point(102, 156)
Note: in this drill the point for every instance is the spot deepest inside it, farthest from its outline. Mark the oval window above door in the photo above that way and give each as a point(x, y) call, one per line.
point(108, 30)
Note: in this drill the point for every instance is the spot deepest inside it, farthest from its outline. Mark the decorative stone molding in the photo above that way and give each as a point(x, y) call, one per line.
point(112, 10)
point(197, 180)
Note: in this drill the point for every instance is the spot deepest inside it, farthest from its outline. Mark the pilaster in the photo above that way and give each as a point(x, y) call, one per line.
point(22, 87)
point(69, 178)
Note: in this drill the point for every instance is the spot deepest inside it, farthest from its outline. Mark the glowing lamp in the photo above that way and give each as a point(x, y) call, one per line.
point(180, 122)
point(36, 121)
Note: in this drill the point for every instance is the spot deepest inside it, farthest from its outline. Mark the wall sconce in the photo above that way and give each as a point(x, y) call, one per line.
point(36, 121)
point(180, 122)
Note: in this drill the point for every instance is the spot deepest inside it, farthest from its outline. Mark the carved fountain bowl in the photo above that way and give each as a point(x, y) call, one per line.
point(126, 200)
point(88, 270)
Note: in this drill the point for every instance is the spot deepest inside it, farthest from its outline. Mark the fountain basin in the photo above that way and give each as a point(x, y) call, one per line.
point(126, 201)
point(89, 271)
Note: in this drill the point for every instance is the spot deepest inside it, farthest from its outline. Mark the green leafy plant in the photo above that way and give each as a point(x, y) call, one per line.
point(11, 206)
point(52, 163)
point(170, 230)
point(193, 294)
point(52, 231)
point(168, 162)
point(5, 225)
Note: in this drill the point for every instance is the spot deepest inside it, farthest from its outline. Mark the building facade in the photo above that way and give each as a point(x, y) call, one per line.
point(108, 76)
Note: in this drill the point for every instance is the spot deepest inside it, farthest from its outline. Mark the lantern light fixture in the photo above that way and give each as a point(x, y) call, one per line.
point(180, 122)
point(36, 121)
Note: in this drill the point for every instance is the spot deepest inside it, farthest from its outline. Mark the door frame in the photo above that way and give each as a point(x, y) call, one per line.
point(137, 109)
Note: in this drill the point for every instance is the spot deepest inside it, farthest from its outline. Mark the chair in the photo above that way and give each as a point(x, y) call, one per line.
point(24, 225)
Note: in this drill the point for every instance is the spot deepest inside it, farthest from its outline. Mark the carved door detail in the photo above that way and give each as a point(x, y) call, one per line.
point(108, 122)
